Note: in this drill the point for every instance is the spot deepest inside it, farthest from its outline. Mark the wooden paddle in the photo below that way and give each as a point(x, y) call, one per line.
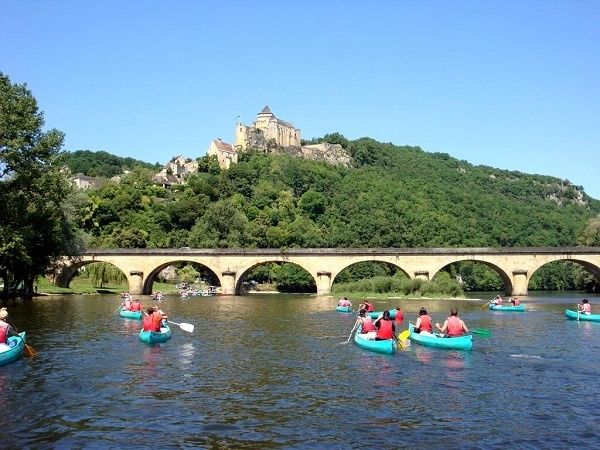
point(28, 351)
point(184, 326)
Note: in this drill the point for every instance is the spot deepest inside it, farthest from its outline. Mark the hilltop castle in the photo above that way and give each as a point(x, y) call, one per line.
point(273, 135)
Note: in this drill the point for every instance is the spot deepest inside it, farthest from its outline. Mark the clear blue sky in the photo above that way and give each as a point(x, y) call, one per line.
point(511, 84)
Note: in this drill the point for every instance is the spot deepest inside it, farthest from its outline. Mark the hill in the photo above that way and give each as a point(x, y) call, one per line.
point(101, 163)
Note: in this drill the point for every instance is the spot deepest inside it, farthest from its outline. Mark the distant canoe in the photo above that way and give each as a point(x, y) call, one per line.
point(127, 314)
point(588, 317)
point(154, 337)
point(14, 349)
point(375, 314)
point(464, 342)
point(520, 308)
point(344, 309)
point(387, 346)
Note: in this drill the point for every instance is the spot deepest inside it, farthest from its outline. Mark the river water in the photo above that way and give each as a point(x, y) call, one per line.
point(270, 371)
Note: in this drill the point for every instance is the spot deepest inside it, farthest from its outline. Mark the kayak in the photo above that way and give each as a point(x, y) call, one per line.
point(344, 309)
point(130, 314)
point(589, 317)
point(464, 342)
point(520, 308)
point(387, 346)
point(153, 337)
point(375, 314)
point(13, 350)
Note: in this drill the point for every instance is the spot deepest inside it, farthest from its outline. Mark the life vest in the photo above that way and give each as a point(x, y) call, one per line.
point(370, 307)
point(148, 323)
point(516, 301)
point(454, 326)
point(136, 306)
point(157, 320)
point(385, 330)
point(367, 325)
point(425, 324)
point(3, 332)
point(127, 305)
point(399, 316)
point(587, 309)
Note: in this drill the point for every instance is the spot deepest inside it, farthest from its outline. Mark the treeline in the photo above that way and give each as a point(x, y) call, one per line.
point(101, 163)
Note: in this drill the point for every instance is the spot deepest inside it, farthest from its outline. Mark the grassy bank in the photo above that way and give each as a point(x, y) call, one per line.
point(84, 286)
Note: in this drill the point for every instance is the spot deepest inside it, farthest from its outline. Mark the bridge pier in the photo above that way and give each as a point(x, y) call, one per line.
point(323, 283)
point(228, 283)
point(422, 275)
point(520, 282)
point(135, 280)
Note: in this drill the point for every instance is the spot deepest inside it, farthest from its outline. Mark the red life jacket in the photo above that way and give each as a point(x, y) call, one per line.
point(399, 316)
point(385, 329)
point(516, 302)
point(454, 326)
point(3, 332)
point(157, 319)
point(136, 306)
point(148, 323)
point(370, 308)
point(587, 308)
point(425, 323)
point(367, 325)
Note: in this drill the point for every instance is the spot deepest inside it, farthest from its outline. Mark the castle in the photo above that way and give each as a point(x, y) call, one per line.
point(273, 135)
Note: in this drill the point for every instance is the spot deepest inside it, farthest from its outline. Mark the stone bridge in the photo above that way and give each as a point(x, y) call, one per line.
point(514, 265)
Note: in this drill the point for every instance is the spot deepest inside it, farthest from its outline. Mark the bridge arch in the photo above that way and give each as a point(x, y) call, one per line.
point(505, 277)
point(341, 269)
point(243, 273)
point(68, 272)
point(149, 279)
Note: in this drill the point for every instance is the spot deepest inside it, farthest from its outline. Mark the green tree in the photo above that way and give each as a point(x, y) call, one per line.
point(35, 230)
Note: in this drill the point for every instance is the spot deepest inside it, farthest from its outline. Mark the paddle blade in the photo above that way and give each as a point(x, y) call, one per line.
point(482, 332)
point(29, 351)
point(187, 327)
point(485, 306)
point(403, 338)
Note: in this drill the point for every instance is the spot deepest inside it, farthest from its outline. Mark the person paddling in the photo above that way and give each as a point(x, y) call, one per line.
point(584, 307)
point(454, 325)
point(385, 327)
point(365, 322)
point(5, 330)
point(423, 322)
point(399, 316)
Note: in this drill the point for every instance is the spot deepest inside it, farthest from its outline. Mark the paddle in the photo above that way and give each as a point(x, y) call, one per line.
point(481, 331)
point(403, 338)
point(28, 351)
point(184, 326)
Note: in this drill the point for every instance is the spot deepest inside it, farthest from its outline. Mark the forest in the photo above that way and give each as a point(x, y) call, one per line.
point(391, 196)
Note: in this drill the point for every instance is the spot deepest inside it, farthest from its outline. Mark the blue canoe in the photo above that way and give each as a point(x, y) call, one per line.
point(375, 314)
point(16, 346)
point(588, 317)
point(388, 346)
point(137, 315)
point(520, 308)
point(464, 342)
point(155, 337)
point(344, 309)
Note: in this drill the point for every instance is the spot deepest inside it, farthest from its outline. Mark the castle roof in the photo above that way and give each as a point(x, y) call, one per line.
point(223, 146)
point(266, 110)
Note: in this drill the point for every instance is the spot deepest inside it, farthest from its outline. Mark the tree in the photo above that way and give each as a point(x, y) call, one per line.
point(35, 230)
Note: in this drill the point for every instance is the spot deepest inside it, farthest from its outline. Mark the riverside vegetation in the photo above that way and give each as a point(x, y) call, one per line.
point(392, 196)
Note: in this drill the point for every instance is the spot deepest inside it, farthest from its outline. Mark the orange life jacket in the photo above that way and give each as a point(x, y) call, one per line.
point(425, 324)
point(367, 325)
point(385, 330)
point(454, 326)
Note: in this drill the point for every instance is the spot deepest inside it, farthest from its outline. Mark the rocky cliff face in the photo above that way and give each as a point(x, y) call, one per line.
point(333, 154)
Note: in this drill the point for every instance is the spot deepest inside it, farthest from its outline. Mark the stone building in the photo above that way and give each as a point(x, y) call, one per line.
point(225, 153)
point(265, 132)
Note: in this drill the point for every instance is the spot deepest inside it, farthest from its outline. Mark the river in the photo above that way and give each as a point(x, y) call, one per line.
point(269, 371)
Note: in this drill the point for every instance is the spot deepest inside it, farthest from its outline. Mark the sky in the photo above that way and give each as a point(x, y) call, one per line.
point(511, 84)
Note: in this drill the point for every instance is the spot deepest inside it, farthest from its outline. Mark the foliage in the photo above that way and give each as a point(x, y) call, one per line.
point(35, 230)
point(102, 164)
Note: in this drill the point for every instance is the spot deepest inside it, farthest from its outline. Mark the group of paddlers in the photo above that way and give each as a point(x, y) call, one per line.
point(498, 301)
point(153, 316)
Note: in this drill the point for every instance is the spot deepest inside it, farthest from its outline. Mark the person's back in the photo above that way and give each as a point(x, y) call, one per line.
point(454, 326)
point(423, 322)
point(4, 327)
point(399, 316)
point(136, 305)
point(367, 324)
point(585, 307)
point(385, 327)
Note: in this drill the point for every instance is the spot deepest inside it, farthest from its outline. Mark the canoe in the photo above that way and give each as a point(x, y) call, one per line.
point(388, 346)
point(464, 342)
point(153, 337)
point(520, 308)
point(344, 309)
point(16, 345)
point(375, 314)
point(137, 315)
point(589, 317)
